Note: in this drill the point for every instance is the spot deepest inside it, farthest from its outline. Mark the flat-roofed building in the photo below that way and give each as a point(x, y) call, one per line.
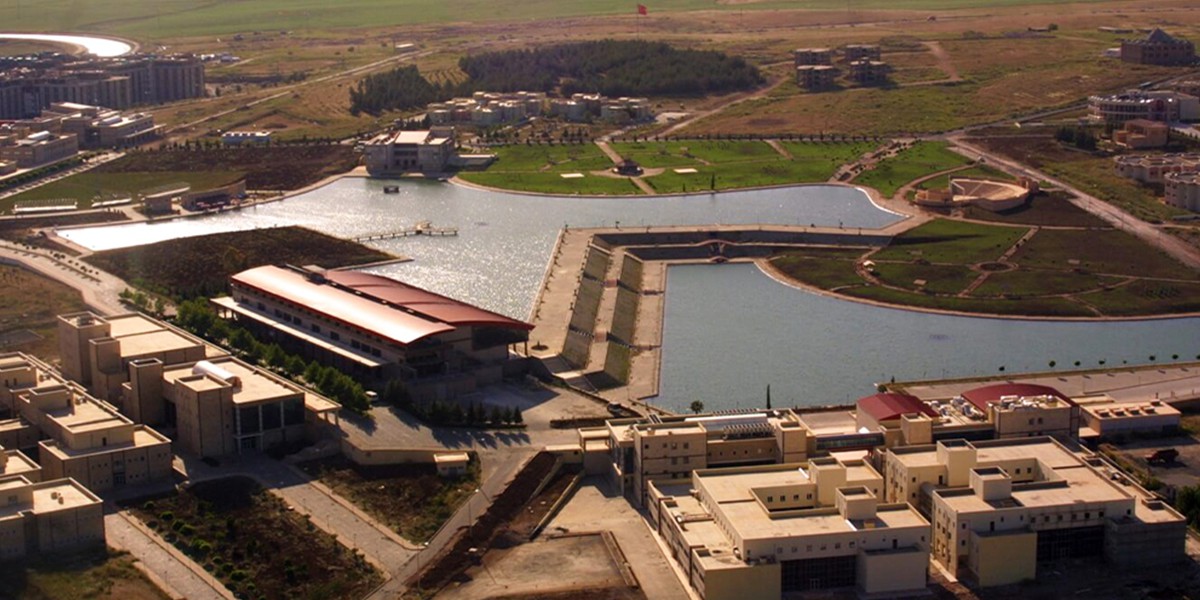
point(1142, 133)
point(39, 149)
point(14, 462)
point(766, 531)
point(853, 52)
point(400, 152)
point(1152, 105)
point(1104, 417)
point(1158, 48)
point(375, 325)
point(812, 56)
point(816, 77)
point(868, 72)
point(1001, 507)
point(1154, 168)
point(1182, 190)
point(47, 517)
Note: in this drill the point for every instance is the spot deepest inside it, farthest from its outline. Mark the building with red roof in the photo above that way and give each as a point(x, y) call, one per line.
point(887, 407)
point(1023, 410)
point(374, 325)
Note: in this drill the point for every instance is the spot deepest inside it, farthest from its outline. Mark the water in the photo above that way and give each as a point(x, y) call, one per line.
point(498, 259)
point(731, 330)
point(101, 47)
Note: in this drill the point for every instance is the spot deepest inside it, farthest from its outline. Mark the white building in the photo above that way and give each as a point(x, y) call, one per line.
point(1183, 190)
point(402, 152)
point(1163, 105)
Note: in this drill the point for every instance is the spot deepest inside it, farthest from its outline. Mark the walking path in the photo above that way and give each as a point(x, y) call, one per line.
point(86, 166)
point(100, 290)
point(162, 560)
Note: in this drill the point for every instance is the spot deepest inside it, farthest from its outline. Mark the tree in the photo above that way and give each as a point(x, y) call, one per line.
point(697, 406)
point(1052, 363)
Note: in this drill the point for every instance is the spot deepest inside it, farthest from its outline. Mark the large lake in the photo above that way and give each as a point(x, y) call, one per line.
point(730, 330)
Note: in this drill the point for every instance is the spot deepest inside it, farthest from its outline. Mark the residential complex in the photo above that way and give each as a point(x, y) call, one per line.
point(484, 109)
point(812, 56)
point(816, 77)
point(1182, 190)
point(1158, 48)
point(30, 84)
point(1165, 106)
point(377, 326)
point(396, 153)
point(99, 127)
point(868, 72)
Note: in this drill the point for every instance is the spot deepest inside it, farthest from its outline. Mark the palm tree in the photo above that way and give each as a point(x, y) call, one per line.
point(697, 406)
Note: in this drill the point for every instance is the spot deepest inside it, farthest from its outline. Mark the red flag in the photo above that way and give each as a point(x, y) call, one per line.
point(642, 9)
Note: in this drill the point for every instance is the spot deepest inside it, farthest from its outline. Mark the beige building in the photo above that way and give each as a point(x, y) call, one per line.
point(14, 462)
point(1141, 133)
point(816, 77)
point(46, 517)
point(1182, 190)
point(1154, 168)
point(1105, 417)
point(1158, 48)
point(868, 72)
point(812, 56)
point(765, 531)
point(1155, 105)
point(39, 149)
point(158, 374)
point(400, 152)
point(999, 508)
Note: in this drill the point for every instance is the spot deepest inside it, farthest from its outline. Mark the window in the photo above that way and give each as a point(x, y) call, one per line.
point(685, 445)
point(770, 498)
point(316, 328)
point(333, 335)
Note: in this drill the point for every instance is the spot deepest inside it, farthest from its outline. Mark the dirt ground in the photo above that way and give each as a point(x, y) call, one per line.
point(542, 566)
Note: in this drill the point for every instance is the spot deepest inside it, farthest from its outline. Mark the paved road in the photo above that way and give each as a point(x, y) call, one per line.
point(158, 559)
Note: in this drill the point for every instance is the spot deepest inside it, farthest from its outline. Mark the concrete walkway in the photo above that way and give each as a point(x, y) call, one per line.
point(100, 290)
point(162, 560)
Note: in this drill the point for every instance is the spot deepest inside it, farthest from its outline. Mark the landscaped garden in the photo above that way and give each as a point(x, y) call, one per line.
point(410, 499)
point(978, 268)
point(101, 574)
point(255, 544)
point(923, 158)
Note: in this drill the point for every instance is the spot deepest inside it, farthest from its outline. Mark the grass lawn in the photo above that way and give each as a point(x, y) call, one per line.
point(939, 279)
point(1108, 251)
point(1055, 307)
point(916, 162)
point(1040, 283)
point(249, 540)
point(96, 575)
point(979, 172)
point(829, 270)
point(410, 499)
point(553, 183)
point(1046, 208)
point(558, 158)
point(945, 241)
point(691, 152)
point(29, 307)
point(201, 266)
point(1147, 297)
point(86, 186)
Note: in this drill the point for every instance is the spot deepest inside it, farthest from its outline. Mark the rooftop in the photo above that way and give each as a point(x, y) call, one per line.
point(253, 386)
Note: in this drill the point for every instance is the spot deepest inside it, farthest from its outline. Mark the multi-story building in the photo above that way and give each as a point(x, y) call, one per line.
point(1182, 190)
point(1157, 105)
point(868, 72)
point(158, 375)
point(99, 127)
point(816, 77)
point(765, 531)
point(117, 83)
point(856, 52)
point(409, 152)
point(48, 516)
point(1158, 48)
point(39, 149)
point(14, 462)
point(812, 56)
point(999, 508)
point(1142, 133)
point(1154, 168)
point(86, 439)
point(375, 325)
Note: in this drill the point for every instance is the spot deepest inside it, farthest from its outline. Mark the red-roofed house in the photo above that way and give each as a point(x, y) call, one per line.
point(886, 409)
point(1025, 410)
point(376, 326)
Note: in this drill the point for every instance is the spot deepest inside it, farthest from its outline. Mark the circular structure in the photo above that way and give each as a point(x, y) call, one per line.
point(97, 46)
point(994, 196)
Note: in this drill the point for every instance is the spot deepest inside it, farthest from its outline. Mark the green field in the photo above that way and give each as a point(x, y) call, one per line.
point(924, 158)
point(719, 165)
point(934, 265)
point(86, 186)
point(174, 18)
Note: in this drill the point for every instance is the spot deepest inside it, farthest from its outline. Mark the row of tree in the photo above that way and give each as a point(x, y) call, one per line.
point(1077, 136)
point(196, 316)
point(452, 413)
point(610, 67)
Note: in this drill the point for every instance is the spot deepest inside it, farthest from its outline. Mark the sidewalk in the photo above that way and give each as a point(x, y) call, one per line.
point(100, 290)
point(162, 560)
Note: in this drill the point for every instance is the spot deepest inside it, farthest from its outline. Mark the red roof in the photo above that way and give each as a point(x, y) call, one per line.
point(890, 405)
point(381, 307)
point(436, 306)
point(990, 394)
